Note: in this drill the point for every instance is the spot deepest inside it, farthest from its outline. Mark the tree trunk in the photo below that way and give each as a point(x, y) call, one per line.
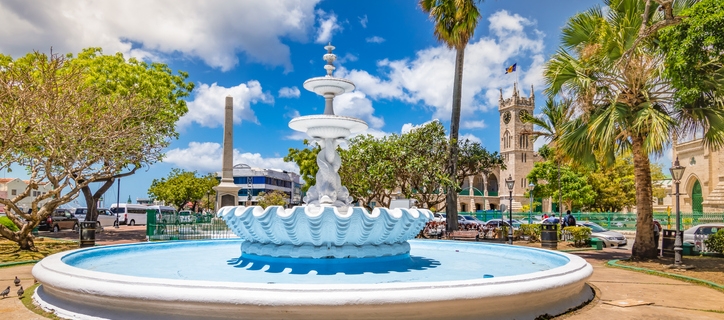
point(25, 240)
point(91, 199)
point(451, 197)
point(644, 246)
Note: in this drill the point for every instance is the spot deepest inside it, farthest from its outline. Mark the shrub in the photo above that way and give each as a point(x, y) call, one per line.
point(715, 242)
point(8, 223)
point(532, 231)
point(580, 235)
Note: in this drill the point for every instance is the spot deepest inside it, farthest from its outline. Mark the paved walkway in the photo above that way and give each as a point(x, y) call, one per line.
point(667, 298)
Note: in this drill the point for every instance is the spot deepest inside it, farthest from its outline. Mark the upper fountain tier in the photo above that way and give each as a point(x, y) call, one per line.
point(329, 86)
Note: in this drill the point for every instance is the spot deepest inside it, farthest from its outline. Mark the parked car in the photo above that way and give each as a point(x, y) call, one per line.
point(701, 231)
point(439, 217)
point(469, 220)
point(496, 223)
point(610, 238)
point(60, 219)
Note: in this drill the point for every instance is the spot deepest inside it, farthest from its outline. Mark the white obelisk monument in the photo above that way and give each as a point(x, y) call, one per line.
point(227, 193)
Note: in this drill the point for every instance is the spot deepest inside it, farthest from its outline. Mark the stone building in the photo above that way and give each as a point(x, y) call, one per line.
point(11, 187)
point(702, 186)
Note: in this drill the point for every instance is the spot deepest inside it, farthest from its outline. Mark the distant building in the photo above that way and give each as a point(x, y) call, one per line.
point(253, 181)
point(11, 187)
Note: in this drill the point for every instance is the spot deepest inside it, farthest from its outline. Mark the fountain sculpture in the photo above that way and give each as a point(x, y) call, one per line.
point(324, 260)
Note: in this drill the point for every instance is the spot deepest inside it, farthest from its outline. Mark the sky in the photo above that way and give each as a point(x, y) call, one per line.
point(261, 52)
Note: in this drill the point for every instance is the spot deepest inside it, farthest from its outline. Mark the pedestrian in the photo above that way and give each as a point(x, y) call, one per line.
point(657, 232)
point(569, 220)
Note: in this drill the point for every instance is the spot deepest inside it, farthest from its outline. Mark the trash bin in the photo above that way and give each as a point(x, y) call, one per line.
point(87, 234)
point(549, 236)
point(597, 243)
point(668, 240)
point(687, 249)
point(34, 231)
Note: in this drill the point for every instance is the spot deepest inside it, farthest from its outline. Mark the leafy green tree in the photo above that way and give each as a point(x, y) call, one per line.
point(614, 185)
point(421, 173)
point(144, 130)
point(575, 190)
point(68, 131)
point(306, 160)
point(695, 63)
point(455, 23)
point(274, 198)
point(611, 68)
point(182, 187)
point(369, 167)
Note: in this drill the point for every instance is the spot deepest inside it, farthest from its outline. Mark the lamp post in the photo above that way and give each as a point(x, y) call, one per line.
point(510, 182)
point(677, 171)
point(118, 201)
point(531, 186)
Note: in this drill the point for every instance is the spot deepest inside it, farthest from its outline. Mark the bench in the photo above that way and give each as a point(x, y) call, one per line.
point(465, 235)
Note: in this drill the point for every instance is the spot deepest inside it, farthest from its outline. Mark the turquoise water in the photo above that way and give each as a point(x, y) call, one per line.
point(220, 260)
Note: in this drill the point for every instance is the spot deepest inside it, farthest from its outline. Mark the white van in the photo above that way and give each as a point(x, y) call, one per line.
point(164, 214)
point(130, 214)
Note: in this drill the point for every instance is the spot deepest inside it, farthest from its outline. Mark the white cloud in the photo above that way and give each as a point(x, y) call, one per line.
point(207, 108)
point(470, 137)
point(375, 39)
point(407, 127)
point(327, 26)
point(356, 104)
point(347, 57)
point(363, 21)
point(473, 124)
point(287, 92)
point(206, 157)
point(214, 32)
point(428, 77)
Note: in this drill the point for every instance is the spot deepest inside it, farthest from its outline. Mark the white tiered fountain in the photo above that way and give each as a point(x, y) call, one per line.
point(325, 260)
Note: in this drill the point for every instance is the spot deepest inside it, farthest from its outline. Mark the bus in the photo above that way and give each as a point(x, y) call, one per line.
point(130, 214)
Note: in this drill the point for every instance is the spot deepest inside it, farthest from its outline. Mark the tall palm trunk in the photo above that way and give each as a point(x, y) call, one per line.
point(644, 246)
point(451, 198)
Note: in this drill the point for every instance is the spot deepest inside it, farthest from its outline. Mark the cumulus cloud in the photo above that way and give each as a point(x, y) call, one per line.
point(328, 26)
point(473, 124)
point(214, 32)
point(471, 137)
point(407, 127)
point(207, 108)
point(287, 92)
point(207, 156)
point(375, 39)
point(356, 104)
point(427, 78)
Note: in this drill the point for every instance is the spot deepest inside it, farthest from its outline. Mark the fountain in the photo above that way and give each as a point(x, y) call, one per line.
point(325, 260)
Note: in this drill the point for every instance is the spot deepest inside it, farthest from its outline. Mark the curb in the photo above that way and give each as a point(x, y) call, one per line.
point(614, 263)
point(17, 263)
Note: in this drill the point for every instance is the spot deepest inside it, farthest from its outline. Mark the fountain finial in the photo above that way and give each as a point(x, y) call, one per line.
point(329, 57)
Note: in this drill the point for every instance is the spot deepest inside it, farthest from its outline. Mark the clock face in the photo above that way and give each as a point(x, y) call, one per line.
point(506, 117)
point(523, 114)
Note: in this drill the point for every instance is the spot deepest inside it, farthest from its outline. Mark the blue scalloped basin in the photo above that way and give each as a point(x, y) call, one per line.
point(221, 260)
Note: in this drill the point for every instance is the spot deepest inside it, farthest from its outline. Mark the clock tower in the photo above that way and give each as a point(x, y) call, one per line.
point(516, 145)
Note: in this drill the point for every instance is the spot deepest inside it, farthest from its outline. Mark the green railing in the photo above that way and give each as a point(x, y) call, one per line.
point(614, 220)
point(198, 228)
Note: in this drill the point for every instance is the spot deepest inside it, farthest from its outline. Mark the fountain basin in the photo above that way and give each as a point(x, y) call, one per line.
point(324, 232)
point(209, 279)
point(328, 84)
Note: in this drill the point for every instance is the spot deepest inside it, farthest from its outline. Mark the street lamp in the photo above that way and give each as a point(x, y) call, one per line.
point(510, 182)
point(531, 186)
point(677, 171)
point(118, 201)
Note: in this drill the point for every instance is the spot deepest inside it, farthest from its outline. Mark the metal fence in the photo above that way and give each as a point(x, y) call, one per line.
point(614, 220)
point(198, 228)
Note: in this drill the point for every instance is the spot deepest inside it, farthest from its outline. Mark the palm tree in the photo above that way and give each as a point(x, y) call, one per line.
point(621, 98)
point(550, 123)
point(455, 23)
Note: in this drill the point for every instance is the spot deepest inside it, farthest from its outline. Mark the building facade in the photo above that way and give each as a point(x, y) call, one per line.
point(253, 181)
point(12, 187)
point(702, 186)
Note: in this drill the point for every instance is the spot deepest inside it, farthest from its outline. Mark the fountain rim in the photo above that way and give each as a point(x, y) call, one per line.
point(575, 264)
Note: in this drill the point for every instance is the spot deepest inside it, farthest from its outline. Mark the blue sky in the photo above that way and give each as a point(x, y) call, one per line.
point(260, 52)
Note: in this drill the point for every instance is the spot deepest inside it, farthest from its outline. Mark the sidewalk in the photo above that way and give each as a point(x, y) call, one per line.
point(669, 298)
